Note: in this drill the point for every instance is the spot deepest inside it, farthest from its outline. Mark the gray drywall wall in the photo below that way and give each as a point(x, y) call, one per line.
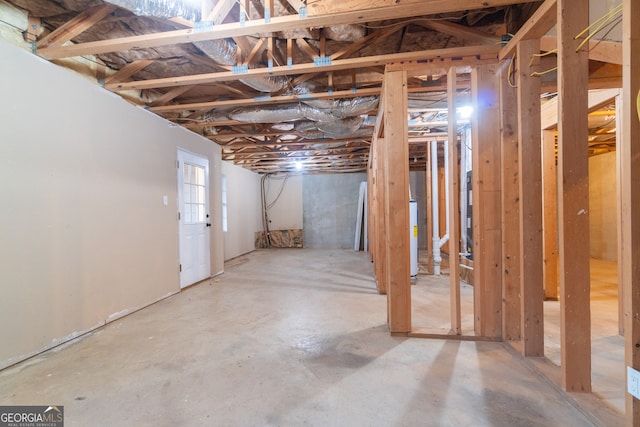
point(87, 236)
point(284, 194)
point(329, 209)
point(243, 210)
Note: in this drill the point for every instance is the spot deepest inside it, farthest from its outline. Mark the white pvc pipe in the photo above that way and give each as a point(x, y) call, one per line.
point(437, 259)
point(445, 238)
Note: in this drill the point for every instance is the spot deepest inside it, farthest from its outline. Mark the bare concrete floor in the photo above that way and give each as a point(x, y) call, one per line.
point(285, 337)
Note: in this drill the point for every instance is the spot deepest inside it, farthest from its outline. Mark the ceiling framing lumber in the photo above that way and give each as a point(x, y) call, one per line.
point(276, 24)
point(80, 23)
point(460, 56)
point(543, 19)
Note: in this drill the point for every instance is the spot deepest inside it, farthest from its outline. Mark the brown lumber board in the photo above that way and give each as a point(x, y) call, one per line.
point(461, 54)
point(543, 19)
point(380, 261)
point(80, 23)
point(550, 212)
point(573, 198)
point(276, 24)
point(395, 152)
point(457, 30)
point(442, 334)
point(487, 232)
point(599, 50)
point(454, 205)
point(336, 6)
point(128, 70)
point(509, 177)
point(630, 203)
point(530, 183)
point(170, 95)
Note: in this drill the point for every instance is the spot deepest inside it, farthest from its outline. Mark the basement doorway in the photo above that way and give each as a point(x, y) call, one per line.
point(194, 219)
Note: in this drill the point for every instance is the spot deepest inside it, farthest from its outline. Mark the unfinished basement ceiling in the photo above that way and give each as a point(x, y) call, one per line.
point(274, 82)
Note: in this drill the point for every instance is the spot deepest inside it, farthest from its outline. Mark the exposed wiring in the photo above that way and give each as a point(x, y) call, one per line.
point(601, 22)
point(265, 182)
point(540, 55)
point(542, 73)
point(510, 71)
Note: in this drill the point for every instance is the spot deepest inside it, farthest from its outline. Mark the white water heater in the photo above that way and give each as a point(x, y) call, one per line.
point(413, 236)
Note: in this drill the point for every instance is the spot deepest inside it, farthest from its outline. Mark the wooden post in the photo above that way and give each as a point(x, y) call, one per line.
point(380, 262)
point(454, 206)
point(573, 200)
point(550, 214)
point(510, 209)
point(487, 234)
point(396, 155)
point(371, 200)
point(620, 215)
point(530, 167)
point(631, 195)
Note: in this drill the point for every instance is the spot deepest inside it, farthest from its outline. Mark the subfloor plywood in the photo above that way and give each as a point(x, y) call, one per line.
point(285, 337)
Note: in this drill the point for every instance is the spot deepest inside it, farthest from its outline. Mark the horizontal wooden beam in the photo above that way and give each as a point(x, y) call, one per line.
point(458, 55)
point(275, 24)
point(596, 100)
point(599, 50)
point(543, 19)
point(80, 23)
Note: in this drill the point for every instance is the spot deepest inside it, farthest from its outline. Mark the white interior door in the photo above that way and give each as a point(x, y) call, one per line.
point(194, 218)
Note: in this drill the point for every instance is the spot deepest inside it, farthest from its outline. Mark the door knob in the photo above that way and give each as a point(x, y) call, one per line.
point(208, 225)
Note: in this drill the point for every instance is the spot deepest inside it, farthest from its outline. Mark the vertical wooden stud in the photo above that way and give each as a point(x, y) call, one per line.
point(454, 206)
point(510, 184)
point(550, 214)
point(487, 229)
point(396, 155)
point(631, 195)
point(530, 171)
point(573, 197)
point(429, 209)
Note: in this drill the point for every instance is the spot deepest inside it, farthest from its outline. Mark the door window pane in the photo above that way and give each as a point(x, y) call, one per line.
point(194, 192)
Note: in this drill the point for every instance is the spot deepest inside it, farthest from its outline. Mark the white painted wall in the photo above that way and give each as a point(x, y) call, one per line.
point(85, 235)
point(243, 210)
point(602, 207)
point(286, 212)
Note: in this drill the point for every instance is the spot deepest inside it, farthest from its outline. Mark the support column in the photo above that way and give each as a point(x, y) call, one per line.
point(620, 214)
point(510, 209)
point(380, 261)
point(530, 167)
point(631, 195)
point(454, 206)
point(396, 155)
point(487, 234)
point(550, 214)
point(573, 200)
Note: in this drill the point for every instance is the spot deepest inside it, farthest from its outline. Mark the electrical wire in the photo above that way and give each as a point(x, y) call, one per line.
point(540, 55)
point(542, 73)
point(601, 23)
point(510, 71)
